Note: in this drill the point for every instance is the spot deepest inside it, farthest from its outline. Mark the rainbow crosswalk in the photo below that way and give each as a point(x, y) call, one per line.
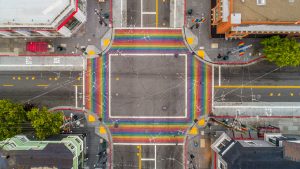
point(147, 130)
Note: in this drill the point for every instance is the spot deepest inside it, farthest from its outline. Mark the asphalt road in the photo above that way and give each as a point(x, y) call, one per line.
point(147, 86)
point(154, 13)
point(167, 156)
point(43, 88)
point(261, 82)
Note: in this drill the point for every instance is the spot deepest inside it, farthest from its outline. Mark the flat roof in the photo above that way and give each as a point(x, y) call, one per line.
point(273, 10)
point(31, 12)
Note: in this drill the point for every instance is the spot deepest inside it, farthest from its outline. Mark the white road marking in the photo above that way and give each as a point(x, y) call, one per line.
point(83, 82)
point(148, 13)
point(150, 117)
point(76, 97)
point(219, 75)
point(148, 159)
point(175, 13)
point(158, 144)
point(155, 156)
point(121, 13)
point(142, 13)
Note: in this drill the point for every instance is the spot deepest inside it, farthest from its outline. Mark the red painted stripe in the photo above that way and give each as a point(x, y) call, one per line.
point(215, 160)
point(64, 55)
point(69, 17)
point(280, 117)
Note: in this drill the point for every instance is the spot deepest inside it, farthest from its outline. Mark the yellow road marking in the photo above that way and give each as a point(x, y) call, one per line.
point(193, 131)
point(257, 87)
point(42, 85)
point(139, 154)
point(156, 19)
point(91, 118)
point(8, 85)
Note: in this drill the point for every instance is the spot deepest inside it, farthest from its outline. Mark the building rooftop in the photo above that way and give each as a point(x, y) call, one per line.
point(32, 12)
point(272, 11)
point(53, 155)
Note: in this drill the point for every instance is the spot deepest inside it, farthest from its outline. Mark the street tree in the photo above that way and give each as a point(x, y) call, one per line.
point(282, 51)
point(45, 123)
point(12, 116)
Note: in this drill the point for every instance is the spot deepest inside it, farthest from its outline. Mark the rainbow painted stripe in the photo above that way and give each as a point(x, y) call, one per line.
point(140, 130)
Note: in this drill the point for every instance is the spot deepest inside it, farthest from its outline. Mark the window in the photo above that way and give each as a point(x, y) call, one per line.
point(261, 2)
point(250, 142)
point(221, 165)
point(223, 144)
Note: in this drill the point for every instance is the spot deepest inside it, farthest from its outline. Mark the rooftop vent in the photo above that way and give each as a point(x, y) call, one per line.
point(261, 2)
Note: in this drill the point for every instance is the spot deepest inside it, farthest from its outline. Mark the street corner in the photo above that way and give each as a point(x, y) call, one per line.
point(190, 39)
point(106, 40)
point(103, 132)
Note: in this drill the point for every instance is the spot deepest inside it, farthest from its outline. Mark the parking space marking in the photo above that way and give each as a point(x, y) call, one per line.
point(142, 55)
point(148, 13)
point(156, 8)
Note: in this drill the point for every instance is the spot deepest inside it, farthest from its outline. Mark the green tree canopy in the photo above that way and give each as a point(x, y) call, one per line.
point(282, 51)
point(12, 116)
point(45, 123)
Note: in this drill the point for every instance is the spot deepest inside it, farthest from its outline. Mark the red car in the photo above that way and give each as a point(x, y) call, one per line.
point(37, 46)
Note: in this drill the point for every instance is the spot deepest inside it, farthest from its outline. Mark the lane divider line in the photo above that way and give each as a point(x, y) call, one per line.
point(42, 85)
point(8, 85)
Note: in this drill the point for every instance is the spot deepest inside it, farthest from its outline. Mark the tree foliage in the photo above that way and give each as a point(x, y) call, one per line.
point(12, 116)
point(45, 123)
point(282, 51)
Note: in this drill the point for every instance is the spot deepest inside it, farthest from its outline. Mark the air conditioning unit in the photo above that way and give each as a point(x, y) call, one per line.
point(261, 2)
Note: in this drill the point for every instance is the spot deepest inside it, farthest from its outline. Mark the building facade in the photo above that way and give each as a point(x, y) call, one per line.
point(240, 18)
point(51, 18)
point(20, 152)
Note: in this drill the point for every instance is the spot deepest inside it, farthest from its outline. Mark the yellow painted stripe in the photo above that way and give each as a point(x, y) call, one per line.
point(257, 87)
point(8, 85)
point(42, 85)
point(156, 19)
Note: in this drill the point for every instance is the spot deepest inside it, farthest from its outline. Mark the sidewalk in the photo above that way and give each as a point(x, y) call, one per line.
point(208, 48)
